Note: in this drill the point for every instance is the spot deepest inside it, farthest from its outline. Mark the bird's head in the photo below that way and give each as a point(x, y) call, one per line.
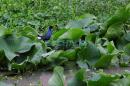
point(50, 27)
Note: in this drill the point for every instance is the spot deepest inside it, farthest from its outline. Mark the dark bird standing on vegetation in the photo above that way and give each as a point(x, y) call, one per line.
point(47, 36)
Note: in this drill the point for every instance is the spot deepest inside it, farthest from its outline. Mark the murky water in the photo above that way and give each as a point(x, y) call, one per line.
point(32, 79)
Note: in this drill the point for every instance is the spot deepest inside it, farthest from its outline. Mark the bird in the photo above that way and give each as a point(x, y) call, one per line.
point(47, 36)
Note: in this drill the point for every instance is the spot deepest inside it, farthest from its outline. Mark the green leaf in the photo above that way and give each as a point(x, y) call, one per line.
point(4, 31)
point(78, 79)
point(74, 24)
point(59, 33)
point(90, 53)
point(91, 37)
point(120, 16)
point(3, 60)
point(70, 54)
point(81, 21)
point(55, 55)
point(72, 34)
point(18, 66)
point(82, 64)
point(108, 53)
point(102, 50)
point(124, 60)
point(28, 32)
point(115, 31)
point(122, 82)
point(115, 22)
point(104, 61)
point(122, 42)
point(37, 55)
point(86, 16)
point(57, 78)
point(111, 49)
point(128, 9)
point(127, 36)
point(127, 49)
point(28, 60)
point(13, 45)
point(101, 79)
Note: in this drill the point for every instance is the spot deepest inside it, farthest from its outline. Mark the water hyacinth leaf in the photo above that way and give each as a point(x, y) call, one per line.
point(81, 21)
point(102, 41)
point(47, 54)
point(4, 31)
point(115, 31)
point(27, 60)
point(3, 60)
point(120, 16)
point(83, 64)
point(115, 61)
point(37, 55)
point(72, 34)
point(128, 9)
point(111, 49)
point(78, 79)
point(124, 60)
point(102, 50)
point(101, 79)
point(29, 32)
point(18, 66)
point(70, 54)
point(88, 22)
point(57, 78)
point(107, 55)
point(90, 53)
point(104, 61)
point(13, 45)
point(127, 49)
point(74, 24)
point(127, 36)
point(55, 55)
point(121, 43)
point(113, 26)
point(59, 33)
point(91, 37)
point(122, 82)
point(86, 16)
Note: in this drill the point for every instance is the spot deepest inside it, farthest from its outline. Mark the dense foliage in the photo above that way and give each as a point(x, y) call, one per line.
point(81, 78)
point(92, 40)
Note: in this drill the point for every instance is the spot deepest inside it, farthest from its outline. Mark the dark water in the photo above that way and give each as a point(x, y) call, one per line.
point(32, 79)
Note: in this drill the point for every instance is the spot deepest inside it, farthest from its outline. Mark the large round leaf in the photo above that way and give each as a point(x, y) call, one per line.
point(81, 21)
point(104, 61)
point(13, 45)
point(70, 54)
point(127, 36)
point(127, 49)
point(4, 31)
point(114, 31)
point(59, 33)
point(57, 78)
point(72, 34)
point(101, 79)
point(78, 79)
point(90, 53)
